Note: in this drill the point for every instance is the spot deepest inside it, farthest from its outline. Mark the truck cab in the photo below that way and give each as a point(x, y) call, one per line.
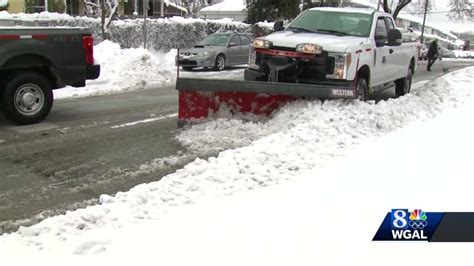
point(336, 46)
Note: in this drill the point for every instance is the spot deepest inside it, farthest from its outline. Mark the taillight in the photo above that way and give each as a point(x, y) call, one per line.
point(88, 44)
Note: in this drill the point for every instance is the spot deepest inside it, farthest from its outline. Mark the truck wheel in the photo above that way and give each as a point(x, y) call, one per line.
point(362, 90)
point(403, 86)
point(220, 63)
point(27, 98)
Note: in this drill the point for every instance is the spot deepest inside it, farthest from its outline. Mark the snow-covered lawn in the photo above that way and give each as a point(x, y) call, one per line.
point(310, 186)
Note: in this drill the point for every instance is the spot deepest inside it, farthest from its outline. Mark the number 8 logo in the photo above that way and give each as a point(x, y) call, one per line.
point(399, 221)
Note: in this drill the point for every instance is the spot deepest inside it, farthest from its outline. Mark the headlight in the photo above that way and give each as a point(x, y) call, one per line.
point(262, 44)
point(309, 48)
point(206, 53)
point(342, 62)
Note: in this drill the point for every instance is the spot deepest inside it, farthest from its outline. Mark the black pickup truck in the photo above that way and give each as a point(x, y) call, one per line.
point(35, 61)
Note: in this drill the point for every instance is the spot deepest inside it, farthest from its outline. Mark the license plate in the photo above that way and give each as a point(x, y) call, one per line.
point(341, 93)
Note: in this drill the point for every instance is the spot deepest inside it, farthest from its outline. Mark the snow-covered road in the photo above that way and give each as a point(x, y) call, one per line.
point(328, 160)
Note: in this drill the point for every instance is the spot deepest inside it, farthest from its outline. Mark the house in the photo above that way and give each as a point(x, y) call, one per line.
point(135, 7)
point(15, 6)
point(76, 7)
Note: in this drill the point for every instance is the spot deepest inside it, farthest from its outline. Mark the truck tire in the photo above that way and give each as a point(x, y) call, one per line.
point(362, 90)
point(403, 85)
point(27, 98)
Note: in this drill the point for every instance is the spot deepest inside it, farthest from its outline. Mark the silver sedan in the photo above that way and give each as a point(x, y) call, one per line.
point(217, 51)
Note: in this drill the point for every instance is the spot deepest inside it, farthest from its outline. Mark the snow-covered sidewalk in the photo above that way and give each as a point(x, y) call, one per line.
point(309, 186)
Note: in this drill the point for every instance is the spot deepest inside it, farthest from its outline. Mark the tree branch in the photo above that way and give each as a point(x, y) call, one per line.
point(112, 13)
point(399, 7)
point(386, 8)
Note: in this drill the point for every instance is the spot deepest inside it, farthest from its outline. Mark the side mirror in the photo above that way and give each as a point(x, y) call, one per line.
point(394, 38)
point(278, 26)
point(380, 40)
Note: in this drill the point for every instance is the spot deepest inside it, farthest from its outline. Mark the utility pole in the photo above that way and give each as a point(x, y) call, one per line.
point(145, 14)
point(423, 26)
point(162, 13)
point(46, 5)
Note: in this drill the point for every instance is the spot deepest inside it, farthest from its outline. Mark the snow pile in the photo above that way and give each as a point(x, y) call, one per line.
point(45, 15)
point(463, 54)
point(125, 69)
point(265, 24)
point(328, 212)
point(300, 140)
point(5, 15)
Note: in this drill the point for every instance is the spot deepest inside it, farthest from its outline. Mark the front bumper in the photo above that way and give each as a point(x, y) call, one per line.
point(92, 71)
point(197, 61)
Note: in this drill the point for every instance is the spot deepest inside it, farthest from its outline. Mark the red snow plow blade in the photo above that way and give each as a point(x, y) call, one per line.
point(200, 98)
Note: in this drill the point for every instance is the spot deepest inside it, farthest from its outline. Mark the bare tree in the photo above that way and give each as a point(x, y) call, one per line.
point(396, 9)
point(194, 6)
point(419, 6)
point(91, 8)
point(460, 10)
point(105, 9)
point(110, 10)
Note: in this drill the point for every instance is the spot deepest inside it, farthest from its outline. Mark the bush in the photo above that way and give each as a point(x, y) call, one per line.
point(162, 34)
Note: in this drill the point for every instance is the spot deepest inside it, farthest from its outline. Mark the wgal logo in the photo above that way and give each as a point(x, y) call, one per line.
point(408, 225)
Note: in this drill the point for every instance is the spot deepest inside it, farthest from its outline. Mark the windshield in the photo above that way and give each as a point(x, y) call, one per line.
point(338, 23)
point(215, 40)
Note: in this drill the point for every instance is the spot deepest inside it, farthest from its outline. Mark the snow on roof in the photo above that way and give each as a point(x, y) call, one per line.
point(433, 36)
point(416, 19)
point(168, 3)
point(459, 42)
point(430, 24)
point(226, 6)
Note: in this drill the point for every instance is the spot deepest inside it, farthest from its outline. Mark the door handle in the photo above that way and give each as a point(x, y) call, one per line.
point(391, 50)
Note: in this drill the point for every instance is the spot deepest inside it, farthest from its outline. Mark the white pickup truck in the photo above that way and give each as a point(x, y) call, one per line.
point(353, 48)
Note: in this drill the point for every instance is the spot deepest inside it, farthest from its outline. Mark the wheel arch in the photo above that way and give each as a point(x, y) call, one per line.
point(412, 65)
point(31, 62)
point(364, 72)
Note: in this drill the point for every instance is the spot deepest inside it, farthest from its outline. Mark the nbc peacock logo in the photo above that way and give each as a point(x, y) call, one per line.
point(418, 219)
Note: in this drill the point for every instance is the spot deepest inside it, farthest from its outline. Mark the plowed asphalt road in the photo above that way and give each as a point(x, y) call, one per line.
point(85, 148)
